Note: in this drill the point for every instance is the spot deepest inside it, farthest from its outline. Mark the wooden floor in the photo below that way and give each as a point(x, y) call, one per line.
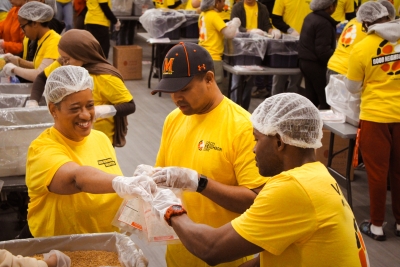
point(143, 139)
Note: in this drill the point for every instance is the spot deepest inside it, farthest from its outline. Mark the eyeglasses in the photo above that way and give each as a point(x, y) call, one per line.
point(26, 24)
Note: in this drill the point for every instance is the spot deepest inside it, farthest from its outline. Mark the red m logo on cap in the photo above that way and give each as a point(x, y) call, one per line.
point(168, 66)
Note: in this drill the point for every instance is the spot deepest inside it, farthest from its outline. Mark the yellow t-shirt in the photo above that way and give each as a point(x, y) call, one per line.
point(95, 14)
point(211, 38)
point(251, 16)
point(351, 35)
point(293, 12)
point(219, 145)
point(63, 1)
point(371, 62)
point(343, 7)
point(25, 47)
point(3, 15)
point(189, 5)
point(166, 3)
point(51, 214)
point(47, 47)
point(301, 218)
point(225, 14)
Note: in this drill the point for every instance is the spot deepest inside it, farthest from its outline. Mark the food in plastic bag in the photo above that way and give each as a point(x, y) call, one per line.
point(157, 22)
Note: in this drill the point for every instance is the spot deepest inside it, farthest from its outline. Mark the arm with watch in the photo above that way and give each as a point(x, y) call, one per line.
point(234, 198)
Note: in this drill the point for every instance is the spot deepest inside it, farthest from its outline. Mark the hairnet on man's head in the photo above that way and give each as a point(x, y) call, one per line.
point(320, 4)
point(36, 11)
point(390, 8)
point(371, 11)
point(66, 80)
point(207, 4)
point(293, 117)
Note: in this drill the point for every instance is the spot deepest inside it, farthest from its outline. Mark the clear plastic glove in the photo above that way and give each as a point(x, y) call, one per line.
point(104, 111)
point(276, 34)
point(11, 58)
point(177, 177)
point(31, 104)
point(117, 26)
point(56, 258)
point(130, 187)
point(163, 199)
point(257, 31)
point(140, 259)
point(8, 69)
point(144, 169)
point(235, 22)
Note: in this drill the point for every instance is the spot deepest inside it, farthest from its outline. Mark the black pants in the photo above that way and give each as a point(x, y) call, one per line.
point(102, 35)
point(315, 81)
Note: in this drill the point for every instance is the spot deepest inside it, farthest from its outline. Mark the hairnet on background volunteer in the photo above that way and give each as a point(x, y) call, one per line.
point(206, 5)
point(371, 11)
point(36, 11)
point(320, 4)
point(66, 80)
point(390, 8)
point(293, 117)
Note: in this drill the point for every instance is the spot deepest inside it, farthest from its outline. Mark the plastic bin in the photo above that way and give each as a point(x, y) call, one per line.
point(15, 88)
point(173, 35)
point(13, 100)
point(163, 23)
point(282, 53)
point(190, 31)
point(18, 128)
point(281, 61)
point(113, 242)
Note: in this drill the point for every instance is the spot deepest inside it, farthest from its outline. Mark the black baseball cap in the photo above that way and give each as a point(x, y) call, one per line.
point(182, 62)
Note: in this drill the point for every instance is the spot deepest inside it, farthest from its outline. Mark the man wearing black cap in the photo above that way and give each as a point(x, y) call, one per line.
point(209, 140)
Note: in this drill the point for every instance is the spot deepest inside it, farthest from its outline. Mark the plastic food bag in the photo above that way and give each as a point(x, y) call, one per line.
point(157, 22)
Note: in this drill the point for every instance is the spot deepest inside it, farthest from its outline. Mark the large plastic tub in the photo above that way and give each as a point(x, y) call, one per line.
point(18, 128)
point(13, 100)
point(161, 23)
point(113, 242)
point(15, 88)
point(282, 53)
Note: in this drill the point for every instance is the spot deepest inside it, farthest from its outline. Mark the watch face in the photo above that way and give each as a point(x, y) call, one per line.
point(176, 207)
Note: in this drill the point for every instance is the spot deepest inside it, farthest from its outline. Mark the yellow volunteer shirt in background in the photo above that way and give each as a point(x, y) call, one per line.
point(3, 15)
point(211, 38)
point(343, 7)
point(25, 47)
point(292, 11)
point(219, 145)
point(95, 14)
point(63, 1)
point(380, 95)
point(51, 214)
point(166, 3)
point(225, 14)
point(189, 5)
point(251, 16)
point(47, 47)
point(351, 35)
point(301, 218)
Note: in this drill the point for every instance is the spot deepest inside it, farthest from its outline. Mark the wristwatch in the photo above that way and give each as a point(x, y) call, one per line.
point(174, 210)
point(203, 180)
point(290, 30)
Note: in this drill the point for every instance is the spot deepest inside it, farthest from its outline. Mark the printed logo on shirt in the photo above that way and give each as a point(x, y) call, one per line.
point(202, 30)
point(207, 146)
point(349, 35)
point(388, 56)
point(227, 6)
point(168, 65)
point(108, 162)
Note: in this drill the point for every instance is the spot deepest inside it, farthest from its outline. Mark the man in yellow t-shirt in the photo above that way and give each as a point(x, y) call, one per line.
point(299, 218)
point(212, 136)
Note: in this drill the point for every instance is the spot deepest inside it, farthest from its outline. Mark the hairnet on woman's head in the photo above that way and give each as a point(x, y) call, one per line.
point(320, 4)
point(371, 11)
point(206, 5)
point(390, 8)
point(66, 80)
point(36, 11)
point(293, 117)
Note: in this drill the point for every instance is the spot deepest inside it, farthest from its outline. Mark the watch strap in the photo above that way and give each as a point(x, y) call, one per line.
point(174, 210)
point(202, 184)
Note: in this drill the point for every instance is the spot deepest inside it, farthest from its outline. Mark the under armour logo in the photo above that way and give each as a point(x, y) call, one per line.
point(201, 67)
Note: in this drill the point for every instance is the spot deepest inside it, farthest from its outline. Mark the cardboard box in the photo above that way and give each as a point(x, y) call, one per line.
point(128, 60)
point(340, 160)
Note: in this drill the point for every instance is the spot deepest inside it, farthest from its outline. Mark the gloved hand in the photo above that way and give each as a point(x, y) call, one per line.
point(257, 31)
point(235, 22)
point(177, 177)
point(56, 258)
point(104, 111)
point(140, 259)
point(31, 104)
point(8, 69)
point(130, 187)
point(276, 34)
point(117, 26)
point(163, 199)
point(144, 169)
point(294, 32)
point(11, 58)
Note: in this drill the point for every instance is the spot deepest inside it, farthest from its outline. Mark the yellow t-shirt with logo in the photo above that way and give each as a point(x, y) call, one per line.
point(301, 218)
point(343, 7)
point(211, 38)
point(225, 14)
point(376, 62)
point(95, 14)
point(351, 35)
point(51, 214)
point(293, 12)
point(47, 47)
point(251, 16)
point(219, 145)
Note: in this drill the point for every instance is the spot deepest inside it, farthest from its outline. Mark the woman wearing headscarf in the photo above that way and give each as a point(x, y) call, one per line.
point(373, 72)
point(10, 31)
point(112, 99)
point(34, 18)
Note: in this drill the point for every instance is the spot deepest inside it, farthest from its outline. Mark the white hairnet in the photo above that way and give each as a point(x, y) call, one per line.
point(293, 117)
point(66, 80)
point(371, 11)
point(390, 8)
point(206, 5)
point(36, 11)
point(320, 4)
